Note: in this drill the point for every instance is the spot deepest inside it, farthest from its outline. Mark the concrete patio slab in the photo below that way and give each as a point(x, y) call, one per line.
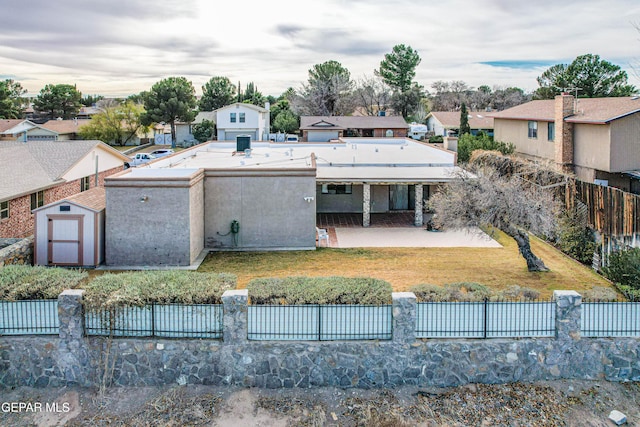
point(416, 237)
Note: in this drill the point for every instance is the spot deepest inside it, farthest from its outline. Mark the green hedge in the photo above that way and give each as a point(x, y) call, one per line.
point(319, 290)
point(144, 287)
point(24, 282)
point(472, 292)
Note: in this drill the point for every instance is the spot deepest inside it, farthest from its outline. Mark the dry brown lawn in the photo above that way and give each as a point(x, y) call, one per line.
point(497, 268)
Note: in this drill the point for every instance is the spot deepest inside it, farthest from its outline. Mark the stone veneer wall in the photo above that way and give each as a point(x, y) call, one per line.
point(19, 252)
point(73, 359)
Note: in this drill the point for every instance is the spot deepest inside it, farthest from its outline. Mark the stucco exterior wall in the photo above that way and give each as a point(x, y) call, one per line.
point(268, 204)
point(196, 214)
point(157, 231)
point(516, 132)
point(591, 146)
point(625, 144)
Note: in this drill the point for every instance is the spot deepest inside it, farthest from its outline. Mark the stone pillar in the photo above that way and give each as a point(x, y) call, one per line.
point(73, 351)
point(366, 205)
point(404, 317)
point(235, 316)
point(568, 314)
point(418, 221)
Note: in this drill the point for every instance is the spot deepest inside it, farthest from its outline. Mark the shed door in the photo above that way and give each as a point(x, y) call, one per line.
point(65, 240)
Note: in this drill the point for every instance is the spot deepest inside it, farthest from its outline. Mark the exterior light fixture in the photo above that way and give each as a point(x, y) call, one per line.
point(144, 199)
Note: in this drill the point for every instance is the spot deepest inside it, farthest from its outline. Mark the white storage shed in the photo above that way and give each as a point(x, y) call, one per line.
point(70, 232)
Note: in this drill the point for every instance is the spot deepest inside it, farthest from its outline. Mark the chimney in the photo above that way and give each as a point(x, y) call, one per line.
point(564, 132)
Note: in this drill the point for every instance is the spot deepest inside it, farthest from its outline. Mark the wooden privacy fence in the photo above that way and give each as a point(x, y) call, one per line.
point(610, 211)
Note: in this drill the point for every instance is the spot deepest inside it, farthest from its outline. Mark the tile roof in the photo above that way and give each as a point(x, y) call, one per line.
point(65, 126)
point(28, 167)
point(451, 119)
point(353, 122)
point(588, 110)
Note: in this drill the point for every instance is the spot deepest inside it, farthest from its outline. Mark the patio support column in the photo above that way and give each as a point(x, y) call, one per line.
point(366, 205)
point(418, 217)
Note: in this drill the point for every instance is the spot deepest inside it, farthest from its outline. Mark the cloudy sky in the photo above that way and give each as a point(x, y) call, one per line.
point(120, 47)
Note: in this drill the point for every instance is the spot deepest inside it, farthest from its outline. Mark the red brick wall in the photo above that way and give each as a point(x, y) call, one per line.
point(20, 221)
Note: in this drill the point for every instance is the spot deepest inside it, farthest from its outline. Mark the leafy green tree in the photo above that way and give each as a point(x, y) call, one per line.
point(251, 95)
point(398, 68)
point(589, 75)
point(286, 122)
point(624, 270)
point(465, 129)
point(204, 131)
point(408, 101)
point(328, 91)
point(216, 93)
point(60, 100)
point(575, 238)
point(116, 124)
point(10, 99)
point(170, 100)
point(467, 143)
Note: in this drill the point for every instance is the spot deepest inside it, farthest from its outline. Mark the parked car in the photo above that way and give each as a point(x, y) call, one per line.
point(142, 158)
point(162, 152)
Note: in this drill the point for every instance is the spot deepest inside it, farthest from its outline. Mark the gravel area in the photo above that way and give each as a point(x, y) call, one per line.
point(553, 403)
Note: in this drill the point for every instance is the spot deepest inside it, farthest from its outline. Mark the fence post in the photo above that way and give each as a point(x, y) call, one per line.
point(404, 317)
point(568, 314)
point(235, 316)
point(73, 352)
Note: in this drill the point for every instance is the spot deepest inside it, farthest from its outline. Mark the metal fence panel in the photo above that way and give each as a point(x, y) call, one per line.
point(158, 320)
point(485, 319)
point(610, 319)
point(29, 317)
point(319, 322)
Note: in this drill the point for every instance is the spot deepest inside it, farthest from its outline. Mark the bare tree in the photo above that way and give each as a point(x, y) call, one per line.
point(330, 97)
point(372, 95)
point(484, 198)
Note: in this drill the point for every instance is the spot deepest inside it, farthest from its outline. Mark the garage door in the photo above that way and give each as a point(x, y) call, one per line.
point(65, 240)
point(324, 136)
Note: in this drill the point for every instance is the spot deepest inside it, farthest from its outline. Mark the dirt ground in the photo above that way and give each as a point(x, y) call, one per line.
point(554, 403)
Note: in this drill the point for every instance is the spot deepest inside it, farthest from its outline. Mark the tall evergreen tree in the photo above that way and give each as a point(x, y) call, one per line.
point(216, 93)
point(464, 121)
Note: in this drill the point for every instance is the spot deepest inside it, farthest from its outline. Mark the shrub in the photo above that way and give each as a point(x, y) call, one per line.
point(429, 293)
point(468, 143)
point(599, 293)
point(24, 282)
point(575, 238)
point(319, 290)
point(515, 292)
point(437, 139)
point(624, 268)
point(164, 287)
point(460, 291)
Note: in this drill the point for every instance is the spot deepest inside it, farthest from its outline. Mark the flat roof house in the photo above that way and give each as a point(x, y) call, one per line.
point(328, 128)
point(216, 197)
point(596, 138)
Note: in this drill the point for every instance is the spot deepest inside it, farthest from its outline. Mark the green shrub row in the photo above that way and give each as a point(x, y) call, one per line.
point(472, 292)
point(319, 290)
point(24, 282)
point(140, 288)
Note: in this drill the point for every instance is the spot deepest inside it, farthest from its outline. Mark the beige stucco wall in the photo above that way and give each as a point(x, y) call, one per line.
point(516, 131)
point(625, 143)
point(196, 213)
point(268, 204)
point(591, 146)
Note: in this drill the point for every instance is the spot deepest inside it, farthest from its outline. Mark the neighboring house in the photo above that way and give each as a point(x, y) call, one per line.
point(328, 128)
point(596, 138)
point(36, 173)
point(24, 130)
point(447, 123)
point(210, 197)
point(66, 129)
point(87, 112)
point(242, 120)
point(184, 131)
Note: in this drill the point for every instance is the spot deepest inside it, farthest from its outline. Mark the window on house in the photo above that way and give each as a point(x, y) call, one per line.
point(551, 131)
point(85, 183)
point(241, 117)
point(232, 117)
point(337, 189)
point(533, 129)
point(4, 210)
point(37, 200)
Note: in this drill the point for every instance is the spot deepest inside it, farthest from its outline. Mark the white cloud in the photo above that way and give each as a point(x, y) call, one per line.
point(125, 47)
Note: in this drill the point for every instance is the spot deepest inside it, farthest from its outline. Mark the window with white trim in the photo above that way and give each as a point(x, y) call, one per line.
point(533, 129)
point(85, 183)
point(241, 117)
point(232, 117)
point(37, 200)
point(551, 131)
point(4, 210)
